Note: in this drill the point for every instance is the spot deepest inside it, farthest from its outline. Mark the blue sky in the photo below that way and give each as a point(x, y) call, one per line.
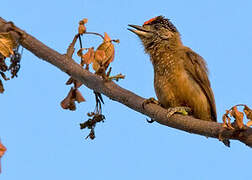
point(45, 142)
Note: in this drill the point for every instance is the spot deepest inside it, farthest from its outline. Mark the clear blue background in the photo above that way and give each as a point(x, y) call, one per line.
point(45, 142)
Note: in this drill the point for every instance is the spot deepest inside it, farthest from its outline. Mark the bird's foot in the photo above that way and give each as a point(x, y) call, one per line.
point(150, 100)
point(182, 110)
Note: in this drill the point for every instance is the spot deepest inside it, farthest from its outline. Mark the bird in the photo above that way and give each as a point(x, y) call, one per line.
point(180, 74)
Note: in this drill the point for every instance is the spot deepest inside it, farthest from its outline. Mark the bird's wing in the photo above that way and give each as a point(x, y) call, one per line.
point(197, 69)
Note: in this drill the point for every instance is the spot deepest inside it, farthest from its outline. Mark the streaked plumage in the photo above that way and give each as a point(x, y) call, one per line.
point(180, 74)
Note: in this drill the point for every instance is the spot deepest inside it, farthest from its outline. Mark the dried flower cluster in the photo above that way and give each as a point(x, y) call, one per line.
point(100, 60)
point(73, 95)
point(8, 49)
point(238, 123)
point(91, 123)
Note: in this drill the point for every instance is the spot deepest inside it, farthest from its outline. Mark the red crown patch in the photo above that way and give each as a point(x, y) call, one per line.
point(149, 21)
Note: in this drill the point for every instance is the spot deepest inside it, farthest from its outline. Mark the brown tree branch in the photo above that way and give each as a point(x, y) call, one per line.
point(116, 93)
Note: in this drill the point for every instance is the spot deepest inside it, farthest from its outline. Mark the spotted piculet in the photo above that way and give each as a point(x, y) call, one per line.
point(180, 74)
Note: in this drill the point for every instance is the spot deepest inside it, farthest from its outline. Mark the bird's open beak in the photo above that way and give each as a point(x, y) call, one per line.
point(140, 30)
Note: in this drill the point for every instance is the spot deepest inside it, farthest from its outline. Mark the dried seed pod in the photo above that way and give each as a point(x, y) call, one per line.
point(79, 98)
point(68, 102)
point(105, 53)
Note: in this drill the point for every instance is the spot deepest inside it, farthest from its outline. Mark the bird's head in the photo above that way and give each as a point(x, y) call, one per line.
point(156, 31)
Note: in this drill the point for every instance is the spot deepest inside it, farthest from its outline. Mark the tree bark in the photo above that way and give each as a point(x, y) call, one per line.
point(119, 94)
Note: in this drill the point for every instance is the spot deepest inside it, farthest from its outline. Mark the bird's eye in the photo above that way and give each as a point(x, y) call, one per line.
point(156, 26)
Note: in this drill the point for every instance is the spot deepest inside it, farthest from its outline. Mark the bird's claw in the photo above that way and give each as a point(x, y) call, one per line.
point(148, 101)
point(150, 121)
point(182, 110)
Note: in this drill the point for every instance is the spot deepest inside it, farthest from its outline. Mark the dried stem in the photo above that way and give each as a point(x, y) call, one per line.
point(94, 33)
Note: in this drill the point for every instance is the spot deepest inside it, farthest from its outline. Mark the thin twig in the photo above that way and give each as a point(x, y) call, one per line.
point(94, 33)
